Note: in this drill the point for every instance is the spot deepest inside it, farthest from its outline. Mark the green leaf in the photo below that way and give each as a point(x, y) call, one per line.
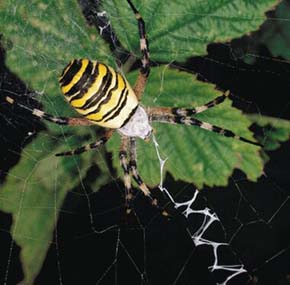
point(194, 155)
point(179, 29)
point(34, 192)
point(276, 34)
point(275, 130)
point(45, 36)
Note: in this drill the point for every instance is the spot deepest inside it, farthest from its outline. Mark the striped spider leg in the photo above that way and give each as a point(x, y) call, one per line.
point(130, 142)
point(65, 121)
point(137, 177)
point(133, 166)
point(53, 119)
point(126, 169)
point(134, 172)
point(144, 47)
point(103, 97)
point(106, 136)
point(130, 168)
point(183, 116)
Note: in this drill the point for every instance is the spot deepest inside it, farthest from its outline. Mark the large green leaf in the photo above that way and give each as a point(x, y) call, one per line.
point(180, 29)
point(194, 155)
point(276, 34)
point(34, 193)
point(45, 35)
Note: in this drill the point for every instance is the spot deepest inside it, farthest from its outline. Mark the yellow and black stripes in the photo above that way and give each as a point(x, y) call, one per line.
point(183, 120)
point(98, 92)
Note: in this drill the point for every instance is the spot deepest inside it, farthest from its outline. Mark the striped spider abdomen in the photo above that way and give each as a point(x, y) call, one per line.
point(98, 92)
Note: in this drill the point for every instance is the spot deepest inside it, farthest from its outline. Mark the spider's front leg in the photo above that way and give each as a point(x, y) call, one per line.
point(53, 119)
point(189, 111)
point(144, 47)
point(183, 116)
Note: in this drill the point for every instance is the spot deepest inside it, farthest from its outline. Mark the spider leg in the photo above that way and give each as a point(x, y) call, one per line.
point(138, 179)
point(90, 146)
point(133, 168)
point(183, 120)
point(190, 111)
point(125, 166)
point(144, 47)
point(57, 120)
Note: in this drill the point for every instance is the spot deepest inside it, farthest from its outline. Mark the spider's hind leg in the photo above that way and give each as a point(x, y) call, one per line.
point(126, 169)
point(133, 168)
point(90, 146)
point(138, 179)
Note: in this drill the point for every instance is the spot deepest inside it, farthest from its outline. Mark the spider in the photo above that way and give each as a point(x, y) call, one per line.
point(104, 97)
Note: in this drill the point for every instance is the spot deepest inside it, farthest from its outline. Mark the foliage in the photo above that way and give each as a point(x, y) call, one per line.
point(276, 34)
point(275, 130)
point(180, 29)
point(195, 155)
point(35, 189)
point(47, 34)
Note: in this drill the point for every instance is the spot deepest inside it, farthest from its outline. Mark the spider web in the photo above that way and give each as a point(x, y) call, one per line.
point(217, 236)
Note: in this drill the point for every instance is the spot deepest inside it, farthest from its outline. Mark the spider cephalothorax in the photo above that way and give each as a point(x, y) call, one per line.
point(104, 97)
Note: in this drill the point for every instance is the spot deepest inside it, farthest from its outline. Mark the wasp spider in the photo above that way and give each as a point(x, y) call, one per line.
point(104, 97)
